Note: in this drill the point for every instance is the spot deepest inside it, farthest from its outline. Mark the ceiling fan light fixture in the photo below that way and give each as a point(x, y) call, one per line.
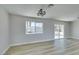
point(42, 12)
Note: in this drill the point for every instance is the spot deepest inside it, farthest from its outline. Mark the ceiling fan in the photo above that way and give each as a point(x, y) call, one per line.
point(42, 12)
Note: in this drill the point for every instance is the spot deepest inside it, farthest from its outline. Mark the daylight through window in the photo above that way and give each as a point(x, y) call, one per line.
point(34, 27)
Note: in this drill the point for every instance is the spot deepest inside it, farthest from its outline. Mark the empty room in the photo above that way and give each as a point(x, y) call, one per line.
point(39, 29)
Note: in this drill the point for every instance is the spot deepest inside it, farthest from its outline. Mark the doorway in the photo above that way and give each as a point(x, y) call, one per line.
point(58, 31)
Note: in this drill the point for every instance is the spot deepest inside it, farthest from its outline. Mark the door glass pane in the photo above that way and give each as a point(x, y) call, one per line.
point(58, 31)
point(61, 31)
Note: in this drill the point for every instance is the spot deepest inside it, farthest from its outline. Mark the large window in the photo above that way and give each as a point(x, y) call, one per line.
point(34, 27)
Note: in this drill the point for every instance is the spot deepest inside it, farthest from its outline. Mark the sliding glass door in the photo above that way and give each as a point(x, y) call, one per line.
point(58, 31)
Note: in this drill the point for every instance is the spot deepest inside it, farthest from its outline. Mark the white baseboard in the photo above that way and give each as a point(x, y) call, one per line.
point(30, 42)
point(74, 38)
point(5, 50)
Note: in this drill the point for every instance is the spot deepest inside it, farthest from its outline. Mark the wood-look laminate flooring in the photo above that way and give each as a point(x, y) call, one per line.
point(54, 47)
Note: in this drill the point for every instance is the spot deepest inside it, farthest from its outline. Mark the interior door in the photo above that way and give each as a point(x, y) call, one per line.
point(58, 31)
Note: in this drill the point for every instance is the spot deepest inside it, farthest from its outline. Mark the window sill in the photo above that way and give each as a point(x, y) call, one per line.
point(35, 33)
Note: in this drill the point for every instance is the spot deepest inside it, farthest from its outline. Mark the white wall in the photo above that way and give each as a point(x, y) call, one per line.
point(18, 29)
point(4, 30)
point(75, 29)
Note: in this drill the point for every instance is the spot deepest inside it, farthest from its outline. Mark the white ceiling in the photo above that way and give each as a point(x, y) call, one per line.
point(65, 12)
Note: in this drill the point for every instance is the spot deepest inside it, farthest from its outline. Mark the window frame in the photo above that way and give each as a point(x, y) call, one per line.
point(35, 27)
